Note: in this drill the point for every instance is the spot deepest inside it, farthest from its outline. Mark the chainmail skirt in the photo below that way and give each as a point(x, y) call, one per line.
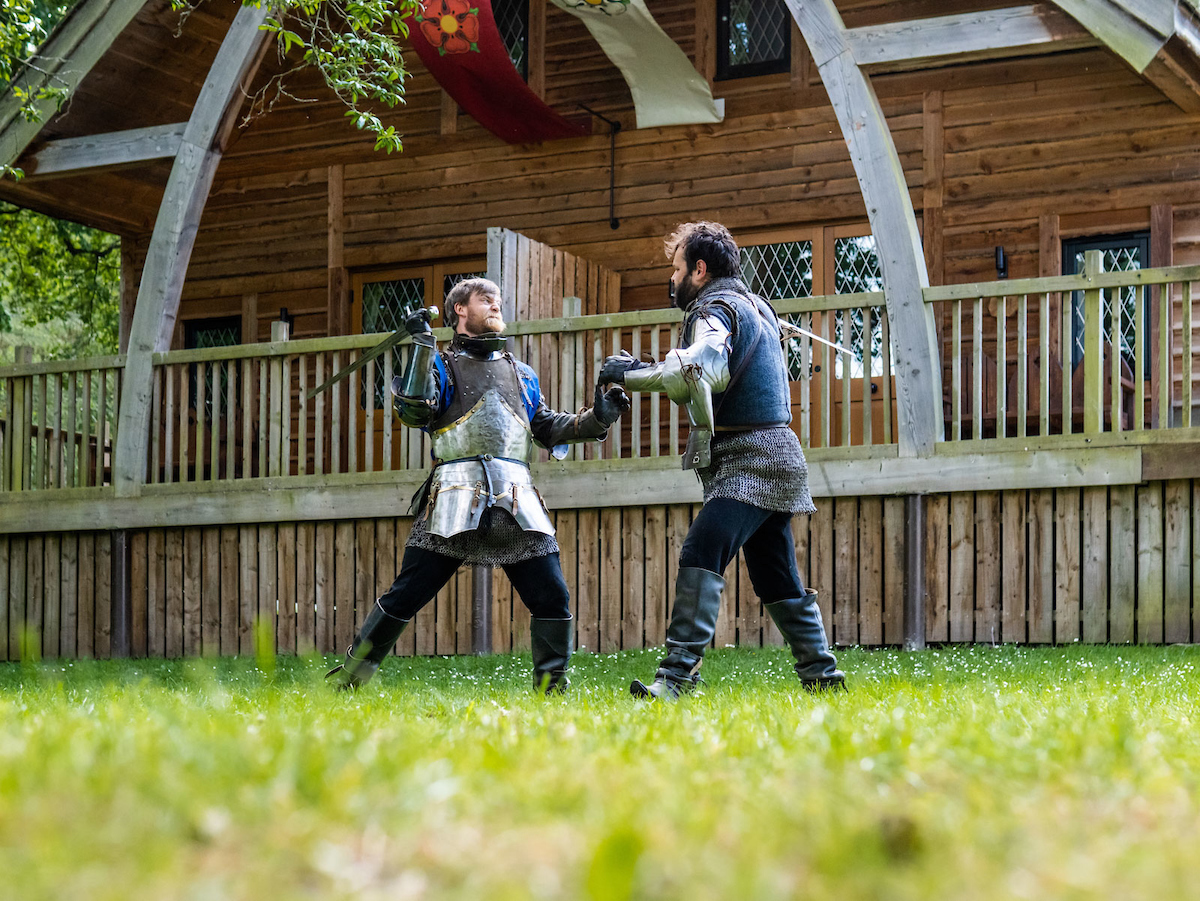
point(764, 468)
point(501, 544)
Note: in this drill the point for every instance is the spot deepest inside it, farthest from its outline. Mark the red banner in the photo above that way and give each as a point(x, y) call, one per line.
point(459, 43)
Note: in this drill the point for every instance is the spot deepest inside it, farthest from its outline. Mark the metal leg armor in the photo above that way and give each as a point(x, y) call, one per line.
point(693, 625)
point(799, 619)
point(552, 641)
point(373, 642)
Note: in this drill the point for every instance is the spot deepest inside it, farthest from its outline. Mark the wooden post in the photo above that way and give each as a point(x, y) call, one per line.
point(338, 311)
point(481, 610)
point(914, 572)
point(1093, 351)
point(277, 451)
point(893, 223)
point(122, 602)
point(19, 405)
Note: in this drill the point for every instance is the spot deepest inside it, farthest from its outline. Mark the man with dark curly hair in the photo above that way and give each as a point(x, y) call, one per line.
point(483, 411)
point(730, 373)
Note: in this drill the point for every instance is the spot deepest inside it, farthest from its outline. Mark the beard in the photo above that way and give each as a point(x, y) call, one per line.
point(494, 324)
point(685, 292)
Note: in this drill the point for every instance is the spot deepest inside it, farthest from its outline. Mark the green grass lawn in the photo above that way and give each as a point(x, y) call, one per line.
point(966, 773)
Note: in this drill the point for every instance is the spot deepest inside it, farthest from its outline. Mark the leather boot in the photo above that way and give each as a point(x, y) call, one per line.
point(373, 642)
point(693, 624)
point(799, 619)
point(551, 641)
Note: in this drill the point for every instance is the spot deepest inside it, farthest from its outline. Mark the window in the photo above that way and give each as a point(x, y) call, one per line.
point(512, 20)
point(1120, 253)
point(383, 299)
point(753, 38)
point(220, 331)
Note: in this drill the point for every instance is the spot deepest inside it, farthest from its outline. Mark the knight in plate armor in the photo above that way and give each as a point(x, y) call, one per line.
point(484, 412)
point(729, 372)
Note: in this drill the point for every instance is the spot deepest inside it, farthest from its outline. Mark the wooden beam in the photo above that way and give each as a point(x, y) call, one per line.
point(893, 223)
point(70, 53)
point(966, 37)
point(1120, 28)
point(174, 235)
point(104, 151)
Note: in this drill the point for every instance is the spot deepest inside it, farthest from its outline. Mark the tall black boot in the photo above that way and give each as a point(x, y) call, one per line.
point(373, 642)
point(693, 625)
point(799, 619)
point(552, 641)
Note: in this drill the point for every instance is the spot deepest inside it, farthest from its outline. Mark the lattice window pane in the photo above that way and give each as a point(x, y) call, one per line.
point(512, 19)
point(781, 272)
point(856, 271)
point(223, 332)
point(1123, 300)
point(449, 280)
point(753, 37)
point(385, 304)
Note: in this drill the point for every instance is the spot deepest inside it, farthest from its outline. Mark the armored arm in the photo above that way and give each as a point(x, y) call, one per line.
point(416, 390)
point(551, 429)
point(692, 374)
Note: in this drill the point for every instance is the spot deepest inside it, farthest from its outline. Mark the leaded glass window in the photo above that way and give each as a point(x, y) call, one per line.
point(753, 38)
point(222, 331)
point(781, 271)
point(856, 271)
point(512, 20)
point(1119, 253)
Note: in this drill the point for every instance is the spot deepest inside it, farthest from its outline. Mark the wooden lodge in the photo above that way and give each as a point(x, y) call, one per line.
point(991, 211)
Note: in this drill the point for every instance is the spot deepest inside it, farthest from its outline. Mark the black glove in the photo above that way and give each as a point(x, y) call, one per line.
point(610, 404)
point(612, 371)
point(417, 322)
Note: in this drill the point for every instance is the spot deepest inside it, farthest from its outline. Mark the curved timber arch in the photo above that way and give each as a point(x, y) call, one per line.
point(174, 235)
point(893, 222)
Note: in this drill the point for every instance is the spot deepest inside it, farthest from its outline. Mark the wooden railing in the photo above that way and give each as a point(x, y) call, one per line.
point(57, 423)
point(1090, 354)
point(226, 415)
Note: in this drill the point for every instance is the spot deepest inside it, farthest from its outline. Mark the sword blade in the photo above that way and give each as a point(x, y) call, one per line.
point(377, 351)
point(791, 327)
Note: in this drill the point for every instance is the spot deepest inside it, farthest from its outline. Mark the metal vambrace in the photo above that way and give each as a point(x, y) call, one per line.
point(416, 390)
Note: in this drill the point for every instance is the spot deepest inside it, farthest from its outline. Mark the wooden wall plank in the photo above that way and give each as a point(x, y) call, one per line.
point(658, 587)
point(408, 640)
point(610, 580)
point(285, 563)
point(988, 571)
point(845, 601)
point(386, 568)
point(193, 560)
point(364, 570)
point(210, 592)
point(268, 587)
point(35, 562)
point(69, 645)
point(5, 549)
point(86, 621)
point(566, 526)
point(306, 623)
point(870, 571)
point(749, 607)
point(247, 588)
point(1014, 567)
point(343, 552)
point(961, 604)
point(1122, 563)
point(173, 600)
point(230, 614)
point(1150, 559)
point(103, 615)
point(445, 616)
point(1095, 565)
point(894, 550)
point(462, 587)
point(51, 593)
point(821, 567)
point(1068, 549)
point(937, 567)
point(16, 594)
point(139, 590)
point(633, 577)
point(588, 609)
point(1041, 566)
point(1179, 561)
point(323, 593)
point(507, 611)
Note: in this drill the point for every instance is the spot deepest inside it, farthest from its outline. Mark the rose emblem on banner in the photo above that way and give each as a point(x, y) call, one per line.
point(608, 7)
point(450, 25)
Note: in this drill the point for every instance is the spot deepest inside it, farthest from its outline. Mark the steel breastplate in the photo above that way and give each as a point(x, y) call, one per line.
point(483, 459)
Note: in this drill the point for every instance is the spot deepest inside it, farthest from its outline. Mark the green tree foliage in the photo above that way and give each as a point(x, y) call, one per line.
point(59, 284)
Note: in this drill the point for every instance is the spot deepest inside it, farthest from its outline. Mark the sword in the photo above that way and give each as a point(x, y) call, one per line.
point(374, 353)
point(791, 330)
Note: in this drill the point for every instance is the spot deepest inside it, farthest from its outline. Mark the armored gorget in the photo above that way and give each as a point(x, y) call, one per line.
point(482, 455)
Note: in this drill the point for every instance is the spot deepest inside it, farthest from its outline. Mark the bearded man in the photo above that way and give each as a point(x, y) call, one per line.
point(730, 373)
point(484, 411)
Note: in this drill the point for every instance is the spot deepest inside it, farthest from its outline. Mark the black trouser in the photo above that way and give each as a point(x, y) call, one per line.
point(723, 527)
point(539, 582)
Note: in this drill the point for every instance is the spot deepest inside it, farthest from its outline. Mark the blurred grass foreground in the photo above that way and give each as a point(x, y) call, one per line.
point(967, 773)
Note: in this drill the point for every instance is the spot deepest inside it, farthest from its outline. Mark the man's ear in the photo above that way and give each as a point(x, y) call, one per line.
point(460, 310)
point(701, 269)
